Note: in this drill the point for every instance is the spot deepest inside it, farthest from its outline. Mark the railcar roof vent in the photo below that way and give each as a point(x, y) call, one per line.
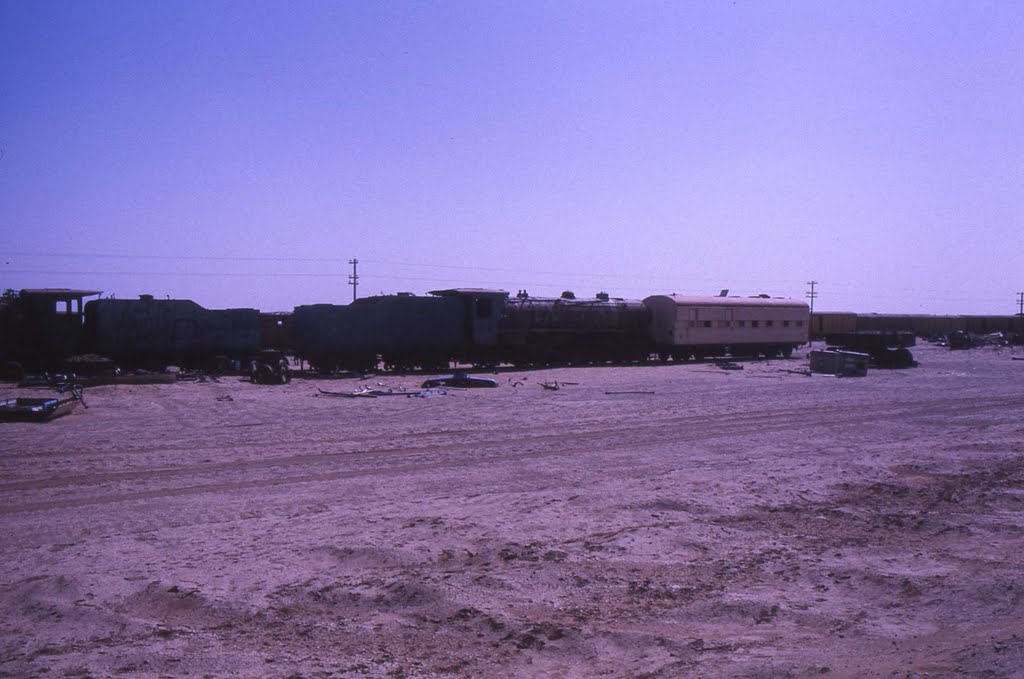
point(146, 298)
point(522, 294)
point(603, 296)
point(568, 294)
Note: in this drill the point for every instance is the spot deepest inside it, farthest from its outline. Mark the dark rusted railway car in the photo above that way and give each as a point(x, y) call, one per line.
point(153, 333)
point(544, 330)
point(276, 330)
point(403, 331)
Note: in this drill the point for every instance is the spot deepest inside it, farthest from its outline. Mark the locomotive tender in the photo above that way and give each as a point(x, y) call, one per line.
point(153, 333)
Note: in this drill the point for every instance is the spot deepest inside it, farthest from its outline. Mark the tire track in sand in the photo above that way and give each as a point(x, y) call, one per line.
point(381, 462)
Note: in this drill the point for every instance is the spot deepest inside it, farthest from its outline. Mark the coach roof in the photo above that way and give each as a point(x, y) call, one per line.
point(698, 300)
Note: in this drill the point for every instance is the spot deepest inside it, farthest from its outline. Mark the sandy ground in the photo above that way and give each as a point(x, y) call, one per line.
point(754, 523)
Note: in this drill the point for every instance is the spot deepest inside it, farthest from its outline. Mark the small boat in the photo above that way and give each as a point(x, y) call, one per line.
point(37, 409)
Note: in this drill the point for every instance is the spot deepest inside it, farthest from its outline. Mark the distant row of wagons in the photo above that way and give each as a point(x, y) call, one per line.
point(922, 325)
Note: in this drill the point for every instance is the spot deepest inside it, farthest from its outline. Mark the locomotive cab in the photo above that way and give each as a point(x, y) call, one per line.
point(482, 311)
point(40, 328)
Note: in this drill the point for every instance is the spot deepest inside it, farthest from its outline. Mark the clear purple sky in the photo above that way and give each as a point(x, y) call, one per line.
point(239, 153)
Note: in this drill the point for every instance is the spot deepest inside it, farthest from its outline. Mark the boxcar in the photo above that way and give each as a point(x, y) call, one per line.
point(828, 322)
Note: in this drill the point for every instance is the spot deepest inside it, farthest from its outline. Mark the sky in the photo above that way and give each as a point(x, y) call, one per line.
point(241, 153)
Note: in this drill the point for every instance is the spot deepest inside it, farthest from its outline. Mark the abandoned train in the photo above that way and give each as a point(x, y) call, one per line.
point(39, 329)
point(488, 327)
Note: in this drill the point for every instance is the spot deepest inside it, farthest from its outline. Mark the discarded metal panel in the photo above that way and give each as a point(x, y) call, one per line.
point(839, 363)
point(459, 379)
point(368, 392)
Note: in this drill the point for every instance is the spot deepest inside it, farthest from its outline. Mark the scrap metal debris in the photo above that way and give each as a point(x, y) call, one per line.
point(368, 392)
point(270, 367)
point(460, 379)
point(40, 409)
point(886, 349)
point(839, 363)
point(554, 385)
point(728, 365)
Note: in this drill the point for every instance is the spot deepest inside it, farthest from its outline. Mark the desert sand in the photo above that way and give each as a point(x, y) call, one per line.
point(754, 523)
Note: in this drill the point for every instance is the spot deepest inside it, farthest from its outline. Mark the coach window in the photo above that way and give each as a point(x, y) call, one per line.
point(799, 324)
point(769, 324)
point(741, 324)
point(707, 324)
point(723, 324)
point(693, 324)
point(754, 324)
point(785, 324)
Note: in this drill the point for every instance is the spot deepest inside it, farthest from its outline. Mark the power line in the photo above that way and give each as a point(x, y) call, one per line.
point(339, 260)
point(183, 274)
